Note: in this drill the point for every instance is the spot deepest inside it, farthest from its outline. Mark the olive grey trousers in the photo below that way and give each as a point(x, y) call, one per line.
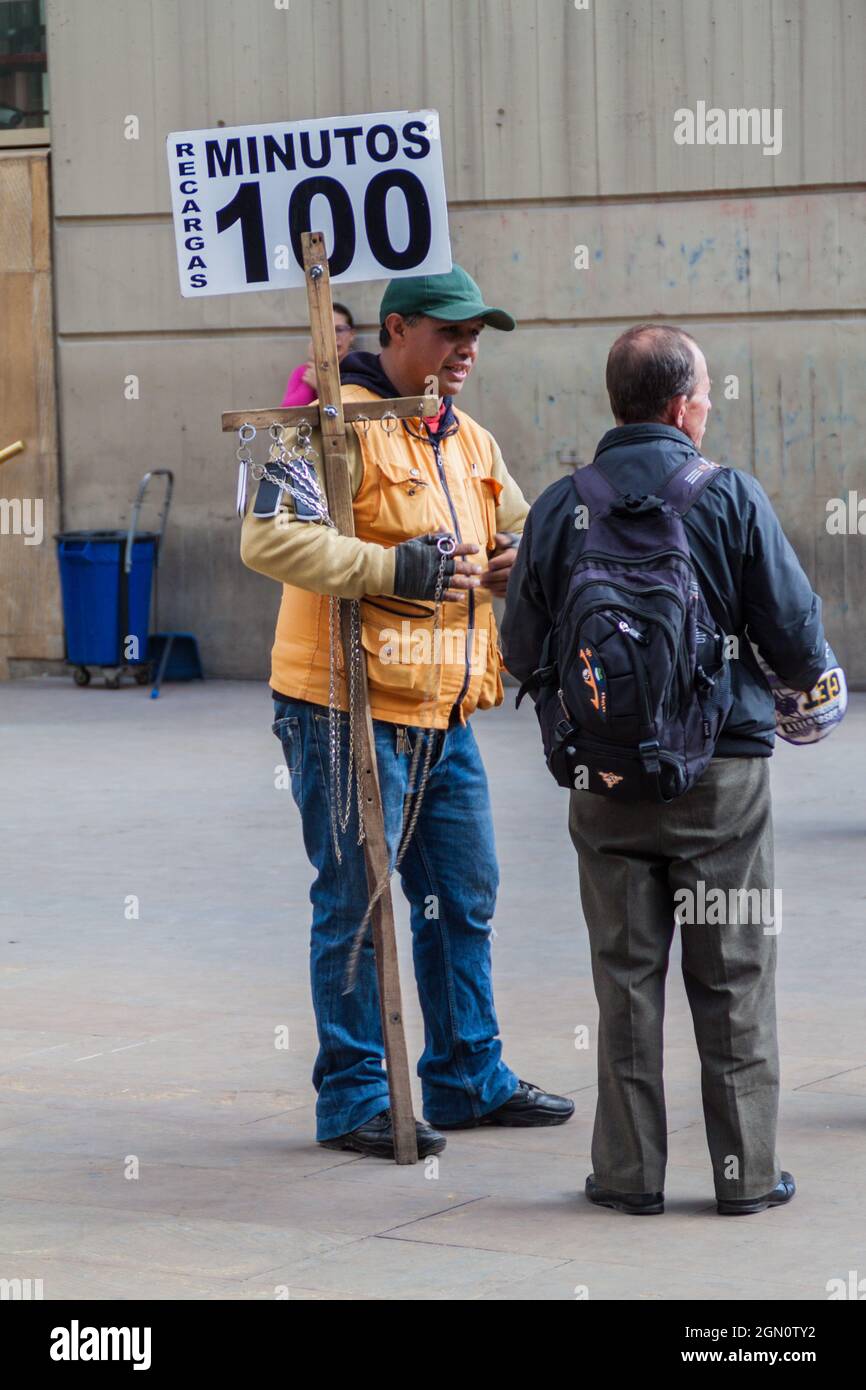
point(640, 865)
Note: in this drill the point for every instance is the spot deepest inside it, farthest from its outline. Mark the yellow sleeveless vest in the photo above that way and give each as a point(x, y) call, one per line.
point(416, 675)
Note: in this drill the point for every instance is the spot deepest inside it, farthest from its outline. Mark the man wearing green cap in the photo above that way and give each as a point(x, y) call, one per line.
point(444, 474)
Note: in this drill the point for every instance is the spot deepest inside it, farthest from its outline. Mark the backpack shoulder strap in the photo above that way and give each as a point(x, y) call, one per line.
point(545, 673)
point(593, 488)
point(686, 483)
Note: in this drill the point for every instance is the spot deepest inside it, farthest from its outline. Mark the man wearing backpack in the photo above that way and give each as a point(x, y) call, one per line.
point(633, 580)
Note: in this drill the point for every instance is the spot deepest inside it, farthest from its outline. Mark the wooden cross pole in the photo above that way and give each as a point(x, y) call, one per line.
point(331, 415)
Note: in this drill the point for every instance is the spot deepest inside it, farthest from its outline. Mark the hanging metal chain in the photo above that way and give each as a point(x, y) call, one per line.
point(298, 478)
point(341, 804)
point(417, 785)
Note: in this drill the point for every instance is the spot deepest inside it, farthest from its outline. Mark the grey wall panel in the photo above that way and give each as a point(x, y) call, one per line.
point(786, 254)
point(538, 99)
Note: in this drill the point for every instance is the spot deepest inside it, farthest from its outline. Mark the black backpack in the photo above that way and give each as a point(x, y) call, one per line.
point(635, 685)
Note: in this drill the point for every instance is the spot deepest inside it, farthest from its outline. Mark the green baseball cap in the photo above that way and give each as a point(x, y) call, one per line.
point(452, 296)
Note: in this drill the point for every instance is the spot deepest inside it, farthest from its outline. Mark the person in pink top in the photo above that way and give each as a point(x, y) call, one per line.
point(301, 385)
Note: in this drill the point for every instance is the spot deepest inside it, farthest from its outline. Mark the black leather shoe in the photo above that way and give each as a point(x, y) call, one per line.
point(747, 1206)
point(529, 1107)
point(375, 1137)
point(635, 1203)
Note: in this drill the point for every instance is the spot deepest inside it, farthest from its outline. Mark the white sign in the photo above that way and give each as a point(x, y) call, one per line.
point(241, 196)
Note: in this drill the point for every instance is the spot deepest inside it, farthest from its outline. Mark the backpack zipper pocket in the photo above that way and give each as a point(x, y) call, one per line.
point(635, 656)
point(622, 560)
point(657, 618)
point(632, 594)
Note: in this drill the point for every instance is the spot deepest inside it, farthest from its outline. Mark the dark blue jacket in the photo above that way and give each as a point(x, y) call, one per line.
point(751, 579)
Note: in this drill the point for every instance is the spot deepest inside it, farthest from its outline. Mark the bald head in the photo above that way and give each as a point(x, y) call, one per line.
point(657, 373)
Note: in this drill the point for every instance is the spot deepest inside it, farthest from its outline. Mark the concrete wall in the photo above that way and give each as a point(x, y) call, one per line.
point(557, 128)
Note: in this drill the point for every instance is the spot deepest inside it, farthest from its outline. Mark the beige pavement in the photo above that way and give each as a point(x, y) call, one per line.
point(147, 1045)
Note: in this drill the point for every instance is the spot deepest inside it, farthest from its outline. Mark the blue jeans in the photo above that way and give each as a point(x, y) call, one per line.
point(450, 877)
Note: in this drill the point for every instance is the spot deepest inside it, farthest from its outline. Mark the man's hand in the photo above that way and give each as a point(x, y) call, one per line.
point(417, 564)
point(495, 577)
point(466, 575)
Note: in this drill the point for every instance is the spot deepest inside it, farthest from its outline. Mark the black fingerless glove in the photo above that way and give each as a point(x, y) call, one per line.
point(416, 568)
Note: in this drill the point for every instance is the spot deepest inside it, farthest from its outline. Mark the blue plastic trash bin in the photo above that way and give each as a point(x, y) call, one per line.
point(102, 605)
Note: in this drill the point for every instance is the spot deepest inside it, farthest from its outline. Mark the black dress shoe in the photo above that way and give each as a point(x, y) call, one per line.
point(747, 1206)
point(635, 1203)
point(529, 1107)
point(376, 1138)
